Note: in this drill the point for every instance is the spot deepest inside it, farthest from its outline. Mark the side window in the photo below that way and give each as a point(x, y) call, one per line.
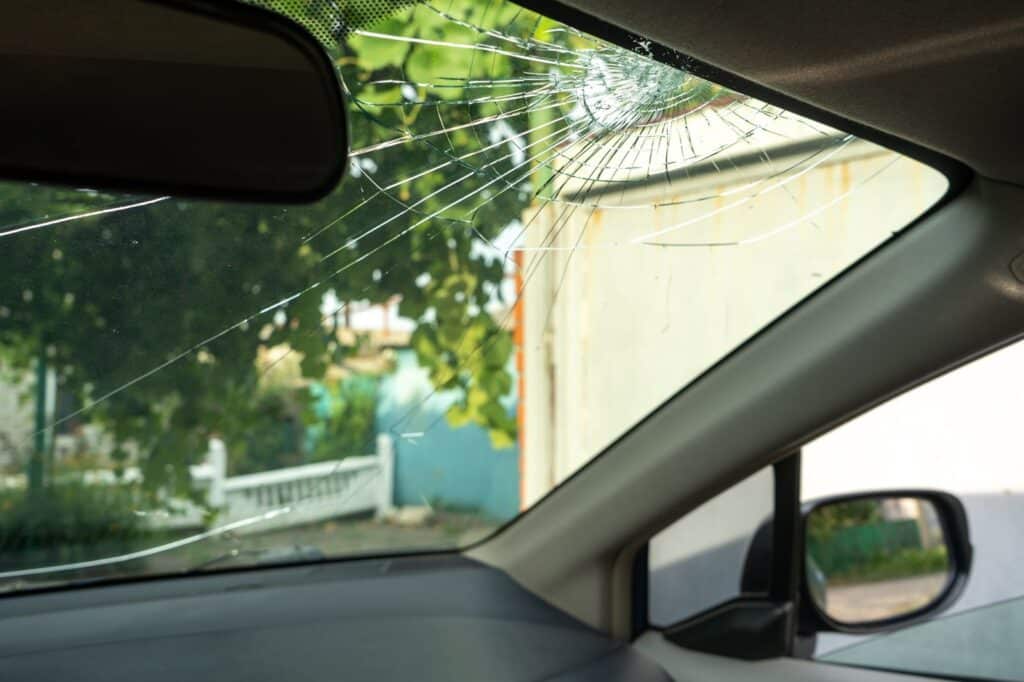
point(960, 434)
point(697, 562)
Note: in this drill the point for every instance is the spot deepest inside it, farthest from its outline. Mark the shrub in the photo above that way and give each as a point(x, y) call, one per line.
point(64, 520)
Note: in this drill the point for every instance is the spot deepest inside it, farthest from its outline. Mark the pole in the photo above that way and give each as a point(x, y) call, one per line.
point(35, 462)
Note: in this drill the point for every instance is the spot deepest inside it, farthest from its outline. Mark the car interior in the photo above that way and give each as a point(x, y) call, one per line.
point(563, 590)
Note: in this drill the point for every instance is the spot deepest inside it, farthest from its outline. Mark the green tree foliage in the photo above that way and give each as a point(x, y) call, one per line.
point(267, 432)
point(154, 316)
point(341, 417)
point(825, 521)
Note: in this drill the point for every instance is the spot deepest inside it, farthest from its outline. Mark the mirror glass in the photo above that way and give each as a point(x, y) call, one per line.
point(876, 558)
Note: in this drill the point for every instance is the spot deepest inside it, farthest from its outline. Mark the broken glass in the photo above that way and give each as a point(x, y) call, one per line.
point(541, 236)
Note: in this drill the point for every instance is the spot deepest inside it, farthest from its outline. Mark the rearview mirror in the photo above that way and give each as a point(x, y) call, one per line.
point(187, 97)
point(880, 559)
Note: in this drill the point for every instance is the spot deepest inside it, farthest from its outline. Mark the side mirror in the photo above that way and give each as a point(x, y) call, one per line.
point(877, 560)
point(188, 97)
point(867, 562)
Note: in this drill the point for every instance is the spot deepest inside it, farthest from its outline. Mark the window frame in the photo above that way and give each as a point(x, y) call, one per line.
point(749, 626)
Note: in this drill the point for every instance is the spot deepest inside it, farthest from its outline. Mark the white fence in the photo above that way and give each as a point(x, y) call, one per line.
point(269, 500)
point(293, 496)
point(313, 492)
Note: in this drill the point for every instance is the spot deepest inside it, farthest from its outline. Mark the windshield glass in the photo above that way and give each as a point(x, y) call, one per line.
point(540, 238)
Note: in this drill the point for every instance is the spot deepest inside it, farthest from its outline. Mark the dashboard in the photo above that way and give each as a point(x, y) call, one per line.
point(439, 617)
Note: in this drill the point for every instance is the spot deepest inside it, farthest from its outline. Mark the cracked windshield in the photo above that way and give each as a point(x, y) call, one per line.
point(541, 237)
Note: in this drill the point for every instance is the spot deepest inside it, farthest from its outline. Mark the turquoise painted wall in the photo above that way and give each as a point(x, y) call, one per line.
point(435, 463)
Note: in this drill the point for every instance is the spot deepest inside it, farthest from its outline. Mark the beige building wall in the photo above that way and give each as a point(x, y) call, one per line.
point(613, 327)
